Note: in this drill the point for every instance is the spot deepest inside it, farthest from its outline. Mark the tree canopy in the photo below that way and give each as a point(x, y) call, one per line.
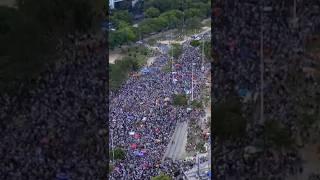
point(196, 104)
point(277, 134)
point(118, 153)
point(176, 50)
point(229, 123)
point(180, 100)
point(195, 43)
point(124, 34)
point(161, 177)
point(159, 16)
point(152, 12)
point(121, 16)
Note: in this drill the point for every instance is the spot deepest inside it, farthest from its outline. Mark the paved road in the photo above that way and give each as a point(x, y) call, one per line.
point(178, 142)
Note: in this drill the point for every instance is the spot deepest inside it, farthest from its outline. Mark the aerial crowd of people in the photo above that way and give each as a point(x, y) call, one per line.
point(50, 131)
point(143, 116)
point(241, 27)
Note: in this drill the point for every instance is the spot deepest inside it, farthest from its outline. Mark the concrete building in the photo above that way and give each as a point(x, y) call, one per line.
point(112, 3)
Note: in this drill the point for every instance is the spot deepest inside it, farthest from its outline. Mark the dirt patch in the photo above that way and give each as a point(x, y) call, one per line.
point(150, 60)
point(114, 56)
point(170, 42)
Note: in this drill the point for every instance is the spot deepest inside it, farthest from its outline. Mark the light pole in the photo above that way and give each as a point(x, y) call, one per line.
point(261, 70)
point(294, 13)
point(263, 9)
point(172, 58)
point(182, 17)
point(202, 66)
point(112, 146)
point(192, 81)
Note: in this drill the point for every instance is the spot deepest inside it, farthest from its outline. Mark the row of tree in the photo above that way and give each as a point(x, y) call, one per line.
point(205, 45)
point(165, 5)
point(159, 16)
point(231, 125)
point(119, 71)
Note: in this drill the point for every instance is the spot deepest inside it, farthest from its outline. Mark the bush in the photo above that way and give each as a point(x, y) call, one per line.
point(277, 134)
point(208, 50)
point(229, 123)
point(200, 147)
point(119, 71)
point(196, 104)
point(180, 100)
point(118, 154)
point(195, 43)
point(176, 50)
point(152, 12)
point(161, 177)
point(111, 167)
point(167, 68)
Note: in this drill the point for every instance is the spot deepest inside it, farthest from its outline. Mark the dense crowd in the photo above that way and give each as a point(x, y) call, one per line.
point(143, 117)
point(314, 176)
point(50, 131)
point(237, 37)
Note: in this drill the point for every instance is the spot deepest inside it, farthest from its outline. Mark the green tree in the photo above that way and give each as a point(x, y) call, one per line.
point(207, 50)
point(111, 167)
point(193, 23)
point(193, 12)
point(163, 5)
point(167, 68)
point(118, 153)
point(203, 10)
point(200, 147)
point(173, 17)
point(161, 23)
point(144, 27)
point(121, 15)
point(196, 104)
point(127, 32)
point(229, 123)
point(277, 135)
point(161, 177)
point(124, 34)
point(176, 50)
point(195, 43)
point(180, 100)
point(116, 76)
point(119, 71)
point(152, 12)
